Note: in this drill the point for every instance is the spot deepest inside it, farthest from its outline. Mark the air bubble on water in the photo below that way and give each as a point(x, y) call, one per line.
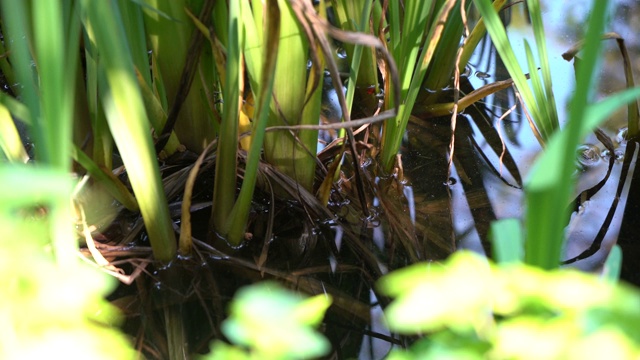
point(588, 155)
point(619, 154)
point(342, 53)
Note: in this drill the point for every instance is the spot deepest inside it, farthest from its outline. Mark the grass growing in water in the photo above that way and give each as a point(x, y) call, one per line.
point(132, 96)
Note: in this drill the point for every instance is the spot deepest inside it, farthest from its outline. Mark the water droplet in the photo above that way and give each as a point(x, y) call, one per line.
point(588, 155)
point(621, 136)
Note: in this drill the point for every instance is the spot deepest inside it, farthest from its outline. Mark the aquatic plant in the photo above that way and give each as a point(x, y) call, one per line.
point(183, 87)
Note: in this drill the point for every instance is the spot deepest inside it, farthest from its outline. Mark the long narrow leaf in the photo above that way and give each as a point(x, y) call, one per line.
point(551, 181)
point(240, 212)
point(411, 81)
point(10, 142)
point(224, 192)
point(111, 183)
point(283, 150)
point(129, 124)
point(541, 44)
point(501, 41)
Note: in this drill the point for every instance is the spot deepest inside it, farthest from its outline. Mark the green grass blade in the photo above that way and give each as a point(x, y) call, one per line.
point(613, 264)
point(394, 14)
point(551, 183)
point(169, 31)
point(56, 71)
point(501, 41)
point(133, 22)
point(444, 58)
point(18, 35)
point(110, 182)
point(476, 35)
point(541, 44)
point(102, 139)
point(412, 77)
point(356, 58)
point(240, 212)
point(405, 49)
point(49, 96)
point(346, 11)
point(224, 191)
point(157, 114)
point(538, 90)
point(129, 124)
point(10, 142)
point(281, 149)
point(507, 240)
point(17, 109)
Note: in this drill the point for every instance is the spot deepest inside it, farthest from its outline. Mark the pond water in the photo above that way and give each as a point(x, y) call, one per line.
point(462, 203)
point(564, 27)
point(602, 218)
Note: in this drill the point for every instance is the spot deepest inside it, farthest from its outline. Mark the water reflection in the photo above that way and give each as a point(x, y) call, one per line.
point(564, 26)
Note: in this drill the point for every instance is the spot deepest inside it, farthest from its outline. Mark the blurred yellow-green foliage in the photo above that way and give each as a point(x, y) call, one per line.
point(49, 309)
point(472, 308)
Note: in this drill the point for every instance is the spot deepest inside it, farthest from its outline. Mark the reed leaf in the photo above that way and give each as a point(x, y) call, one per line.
point(240, 213)
point(476, 35)
point(535, 12)
point(361, 57)
point(444, 57)
point(110, 182)
point(10, 142)
point(613, 264)
point(128, 123)
point(283, 150)
point(48, 93)
point(551, 181)
point(169, 31)
point(102, 139)
point(414, 60)
point(224, 190)
point(507, 240)
point(354, 15)
point(545, 122)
